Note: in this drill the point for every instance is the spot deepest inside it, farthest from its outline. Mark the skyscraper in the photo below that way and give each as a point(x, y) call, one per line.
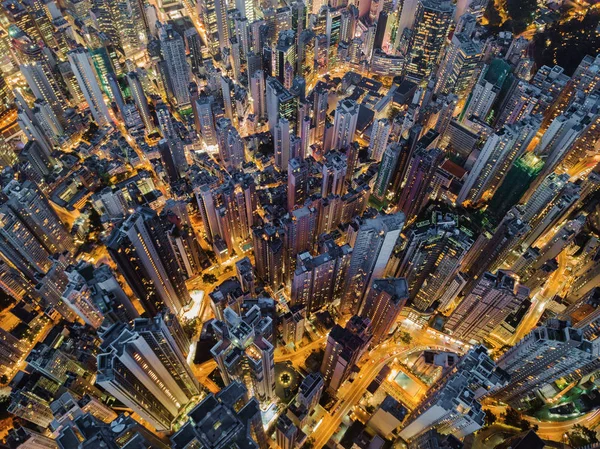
point(452, 405)
point(345, 347)
point(86, 79)
point(549, 352)
point(379, 138)
point(318, 281)
point(148, 263)
point(145, 369)
point(383, 303)
point(432, 22)
point(373, 245)
point(173, 52)
point(244, 352)
point(386, 171)
point(297, 184)
point(141, 102)
point(492, 299)
point(459, 66)
point(344, 124)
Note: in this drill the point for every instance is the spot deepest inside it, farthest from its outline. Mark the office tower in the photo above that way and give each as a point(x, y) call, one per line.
point(297, 184)
point(146, 371)
point(244, 352)
point(379, 138)
point(387, 168)
point(416, 190)
point(172, 49)
point(230, 143)
point(334, 174)
point(547, 353)
point(491, 300)
point(459, 66)
point(344, 123)
point(146, 260)
point(287, 433)
point(432, 22)
point(310, 391)
point(318, 281)
point(269, 255)
point(345, 347)
point(206, 120)
point(227, 419)
point(452, 405)
point(86, 79)
point(280, 103)
point(486, 90)
point(141, 102)
point(382, 306)
point(430, 256)
point(257, 91)
point(494, 160)
point(281, 143)
point(373, 246)
point(222, 24)
point(284, 55)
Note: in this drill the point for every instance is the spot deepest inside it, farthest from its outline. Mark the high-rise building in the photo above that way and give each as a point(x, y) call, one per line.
point(486, 90)
point(382, 306)
point(281, 143)
point(269, 255)
point(86, 79)
point(205, 121)
point(344, 124)
point(318, 281)
point(310, 390)
point(547, 353)
point(491, 300)
point(173, 52)
point(258, 93)
point(432, 23)
point(244, 352)
point(145, 369)
point(387, 168)
point(230, 143)
point(379, 138)
point(373, 246)
point(457, 70)
point(430, 256)
point(495, 158)
point(335, 169)
point(297, 184)
point(452, 405)
point(227, 419)
point(419, 174)
point(280, 103)
point(345, 347)
point(141, 102)
point(147, 261)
